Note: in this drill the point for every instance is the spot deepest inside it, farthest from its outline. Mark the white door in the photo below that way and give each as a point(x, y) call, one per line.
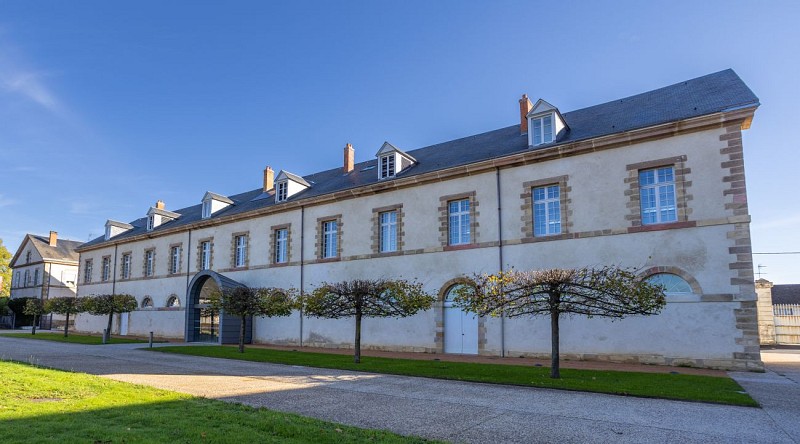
point(123, 324)
point(460, 329)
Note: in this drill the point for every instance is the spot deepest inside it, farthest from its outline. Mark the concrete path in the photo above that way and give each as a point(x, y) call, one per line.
point(453, 411)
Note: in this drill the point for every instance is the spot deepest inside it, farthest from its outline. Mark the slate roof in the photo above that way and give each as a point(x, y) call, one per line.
point(721, 91)
point(786, 294)
point(65, 249)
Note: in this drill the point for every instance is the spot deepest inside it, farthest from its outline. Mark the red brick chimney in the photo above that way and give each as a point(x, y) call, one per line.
point(160, 205)
point(349, 158)
point(525, 106)
point(53, 238)
point(269, 179)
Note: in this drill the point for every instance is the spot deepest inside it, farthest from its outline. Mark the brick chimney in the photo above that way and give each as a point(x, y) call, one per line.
point(525, 106)
point(160, 205)
point(349, 158)
point(269, 179)
point(53, 238)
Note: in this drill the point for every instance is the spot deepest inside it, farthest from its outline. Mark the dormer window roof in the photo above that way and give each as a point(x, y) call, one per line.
point(287, 185)
point(545, 124)
point(392, 161)
point(213, 202)
point(114, 228)
point(157, 216)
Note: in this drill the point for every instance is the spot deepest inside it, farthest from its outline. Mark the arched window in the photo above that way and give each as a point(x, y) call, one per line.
point(173, 301)
point(672, 283)
point(147, 302)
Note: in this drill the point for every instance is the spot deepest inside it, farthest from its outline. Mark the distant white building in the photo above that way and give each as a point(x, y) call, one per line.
point(45, 267)
point(653, 181)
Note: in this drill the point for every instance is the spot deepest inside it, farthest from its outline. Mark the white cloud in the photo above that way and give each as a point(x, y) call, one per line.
point(19, 79)
point(6, 201)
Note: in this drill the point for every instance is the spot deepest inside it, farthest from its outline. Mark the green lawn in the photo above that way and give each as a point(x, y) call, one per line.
point(42, 405)
point(72, 338)
point(722, 390)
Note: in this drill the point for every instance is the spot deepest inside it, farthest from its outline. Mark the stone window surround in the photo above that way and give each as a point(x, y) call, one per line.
point(179, 245)
point(682, 196)
point(246, 264)
point(564, 191)
point(319, 241)
point(444, 220)
point(273, 244)
point(105, 262)
point(376, 229)
point(88, 270)
point(200, 242)
point(144, 264)
point(122, 266)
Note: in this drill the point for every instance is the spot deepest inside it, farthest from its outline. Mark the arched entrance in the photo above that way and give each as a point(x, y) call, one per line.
point(202, 323)
point(460, 327)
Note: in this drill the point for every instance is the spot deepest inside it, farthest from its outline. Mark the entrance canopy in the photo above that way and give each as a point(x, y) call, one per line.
point(204, 325)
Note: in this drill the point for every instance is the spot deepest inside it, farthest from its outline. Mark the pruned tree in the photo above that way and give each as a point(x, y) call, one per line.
point(609, 292)
point(66, 306)
point(5, 270)
point(34, 307)
point(370, 298)
point(109, 304)
point(245, 302)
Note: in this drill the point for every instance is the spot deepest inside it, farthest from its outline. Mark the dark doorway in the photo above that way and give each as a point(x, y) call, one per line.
point(202, 323)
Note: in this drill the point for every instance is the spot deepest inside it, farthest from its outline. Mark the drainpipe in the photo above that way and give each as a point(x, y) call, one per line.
point(114, 276)
point(189, 324)
point(500, 259)
point(302, 247)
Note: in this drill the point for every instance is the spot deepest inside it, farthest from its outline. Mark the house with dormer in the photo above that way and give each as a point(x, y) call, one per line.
point(653, 181)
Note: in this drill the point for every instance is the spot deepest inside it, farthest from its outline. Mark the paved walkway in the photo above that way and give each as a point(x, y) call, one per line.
point(453, 411)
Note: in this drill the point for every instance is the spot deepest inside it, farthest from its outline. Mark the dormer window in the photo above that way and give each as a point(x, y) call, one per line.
point(114, 228)
point(151, 221)
point(213, 202)
point(206, 209)
point(158, 216)
point(282, 192)
point(542, 129)
point(387, 166)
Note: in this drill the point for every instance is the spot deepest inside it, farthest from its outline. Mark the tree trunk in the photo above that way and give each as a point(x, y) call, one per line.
point(554, 369)
point(33, 330)
point(66, 326)
point(357, 356)
point(108, 330)
point(242, 332)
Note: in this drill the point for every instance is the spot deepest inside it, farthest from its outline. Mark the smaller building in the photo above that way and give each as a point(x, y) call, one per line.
point(45, 267)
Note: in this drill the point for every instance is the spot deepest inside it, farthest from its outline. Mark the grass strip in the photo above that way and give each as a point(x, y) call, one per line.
point(40, 405)
point(713, 389)
point(73, 338)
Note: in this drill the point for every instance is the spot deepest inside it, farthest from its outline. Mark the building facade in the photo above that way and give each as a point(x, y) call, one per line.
point(653, 181)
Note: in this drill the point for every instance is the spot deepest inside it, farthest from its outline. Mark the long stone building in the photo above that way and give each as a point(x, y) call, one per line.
point(654, 181)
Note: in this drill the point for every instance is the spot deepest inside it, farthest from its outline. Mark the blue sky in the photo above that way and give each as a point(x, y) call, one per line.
point(106, 107)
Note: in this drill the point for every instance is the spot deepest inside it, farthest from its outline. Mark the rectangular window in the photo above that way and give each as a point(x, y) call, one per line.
point(27, 278)
point(106, 270)
point(205, 255)
point(387, 166)
point(149, 262)
point(240, 255)
point(36, 277)
point(542, 130)
point(657, 195)
point(282, 192)
point(206, 209)
point(174, 259)
point(281, 244)
point(150, 222)
point(329, 239)
point(87, 271)
point(126, 266)
point(546, 210)
point(458, 222)
point(388, 221)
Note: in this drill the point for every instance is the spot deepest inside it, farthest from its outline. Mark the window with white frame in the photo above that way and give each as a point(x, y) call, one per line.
point(36, 277)
point(126, 266)
point(388, 231)
point(149, 262)
point(282, 191)
point(106, 270)
point(206, 208)
point(546, 210)
point(387, 166)
point(174, 259)
point(240, 253)
point(27, 278)
point(459, 222)
point(657, 195)
point(28, 257)
point(87, 271)
point(173, 301)
point(542, 128)
point(281, 245)
point(205, 255)
point(151, 220)
point(329, 239)
point(16, 281)
point(672, 283)
point(147, 302)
